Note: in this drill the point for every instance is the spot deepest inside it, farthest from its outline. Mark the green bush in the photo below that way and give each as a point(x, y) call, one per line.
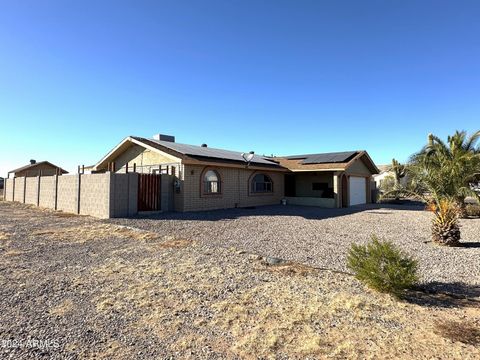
point(472, 210)
point(383, 267)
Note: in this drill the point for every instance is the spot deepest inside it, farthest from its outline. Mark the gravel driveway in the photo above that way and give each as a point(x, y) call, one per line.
point(321, 237)
point(75, 287)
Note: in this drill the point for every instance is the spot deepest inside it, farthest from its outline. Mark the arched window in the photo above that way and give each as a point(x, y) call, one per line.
point(211, 182)
point(261, 183)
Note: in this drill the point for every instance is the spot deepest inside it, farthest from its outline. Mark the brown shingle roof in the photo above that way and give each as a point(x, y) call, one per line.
point(297, 163)
point(31, 166)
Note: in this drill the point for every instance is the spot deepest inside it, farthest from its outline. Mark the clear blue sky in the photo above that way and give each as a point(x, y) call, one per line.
point(280, 77)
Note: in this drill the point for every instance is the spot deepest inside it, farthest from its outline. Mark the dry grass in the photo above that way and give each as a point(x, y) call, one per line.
point(183, 296)
point(13, 252)
point(291, 268)
point(94, 231)
point(64, 214)
point(297, 311)
point(459, 331)
point(62, 308)
point(4, 236)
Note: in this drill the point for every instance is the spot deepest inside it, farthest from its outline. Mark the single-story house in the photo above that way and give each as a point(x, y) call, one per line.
point(385, 173)
point(35, 168)
point(206, 178)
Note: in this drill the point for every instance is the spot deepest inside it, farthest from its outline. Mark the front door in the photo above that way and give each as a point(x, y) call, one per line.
point(290, 185)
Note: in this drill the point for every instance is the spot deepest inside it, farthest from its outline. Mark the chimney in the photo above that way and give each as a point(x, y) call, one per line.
point(163, 137)
point(204, 145)
point(32, 161)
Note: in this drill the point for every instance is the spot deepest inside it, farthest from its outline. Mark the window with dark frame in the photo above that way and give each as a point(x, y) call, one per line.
point(211, 182)
point(261, 183)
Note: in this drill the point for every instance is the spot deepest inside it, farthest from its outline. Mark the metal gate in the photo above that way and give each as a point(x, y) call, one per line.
point(149, 192)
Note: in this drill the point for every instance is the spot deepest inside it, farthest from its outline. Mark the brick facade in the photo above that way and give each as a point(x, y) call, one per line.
point(235, 189)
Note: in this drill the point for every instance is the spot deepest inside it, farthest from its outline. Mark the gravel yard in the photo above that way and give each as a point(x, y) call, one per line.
point(321, 237)
point(74, 287)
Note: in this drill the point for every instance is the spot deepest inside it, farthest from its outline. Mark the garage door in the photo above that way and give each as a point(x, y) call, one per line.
point(358, 190)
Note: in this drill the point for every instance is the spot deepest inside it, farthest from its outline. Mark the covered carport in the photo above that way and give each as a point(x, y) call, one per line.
point(329, 180)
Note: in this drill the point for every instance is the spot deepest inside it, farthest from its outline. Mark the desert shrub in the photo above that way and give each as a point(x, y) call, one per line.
point(382, 266)
point(472, 210)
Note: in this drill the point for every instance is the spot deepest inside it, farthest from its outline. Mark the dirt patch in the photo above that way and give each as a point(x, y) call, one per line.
point(459, 331)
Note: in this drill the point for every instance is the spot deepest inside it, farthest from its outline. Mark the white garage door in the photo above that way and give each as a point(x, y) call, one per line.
point(358, 190)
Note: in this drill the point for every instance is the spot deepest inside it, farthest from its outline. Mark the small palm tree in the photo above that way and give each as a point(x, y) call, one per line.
point(442, 174)
point(445, 228)
point(448, 170)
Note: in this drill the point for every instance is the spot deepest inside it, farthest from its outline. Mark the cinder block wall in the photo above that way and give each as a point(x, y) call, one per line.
point(235, 189)
point(95, 195)
point(8, 189)
point(31, 190)
point(19, 189)
point(167, 193)
point(123, 195)
point(47, 192)
point(67, 193)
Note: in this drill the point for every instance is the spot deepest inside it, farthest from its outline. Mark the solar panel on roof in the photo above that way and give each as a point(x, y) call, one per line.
point(329, 157)
point(194, 150)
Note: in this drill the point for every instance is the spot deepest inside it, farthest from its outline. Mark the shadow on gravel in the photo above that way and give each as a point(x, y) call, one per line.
point(469, 245)
point(307, 212)
point(438, 294)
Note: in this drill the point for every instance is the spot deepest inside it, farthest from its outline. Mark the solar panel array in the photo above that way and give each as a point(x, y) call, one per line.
point(336, 157)
point(329, 158)
point(194, 150)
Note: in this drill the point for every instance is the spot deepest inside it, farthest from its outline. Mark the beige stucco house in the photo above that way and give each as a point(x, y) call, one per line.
point(205, 178)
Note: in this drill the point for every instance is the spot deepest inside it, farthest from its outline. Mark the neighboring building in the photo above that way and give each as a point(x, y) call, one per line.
point(385, 172)
point(208, 178)
point(44, 168)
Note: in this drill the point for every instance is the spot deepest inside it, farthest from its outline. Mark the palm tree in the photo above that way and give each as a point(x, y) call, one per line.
point(399, 171)
point(444, 173)
point(448, 170)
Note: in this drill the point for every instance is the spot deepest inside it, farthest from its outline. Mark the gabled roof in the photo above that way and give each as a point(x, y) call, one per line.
point(338, 161)
point(31, 166)
point(188, 153)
